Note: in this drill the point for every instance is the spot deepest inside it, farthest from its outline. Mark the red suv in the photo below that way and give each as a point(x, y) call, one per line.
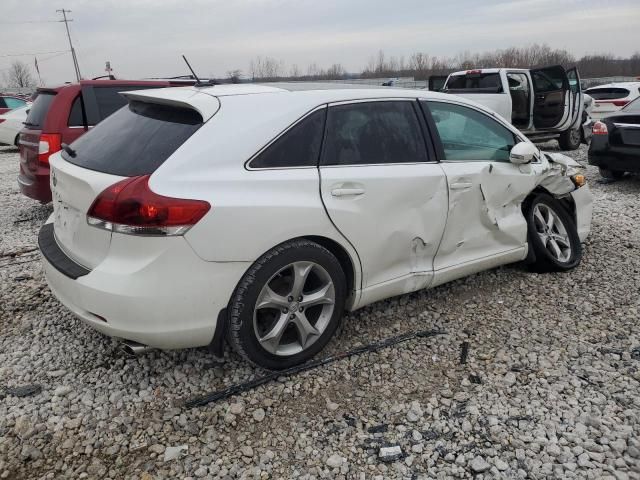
point(61, 115)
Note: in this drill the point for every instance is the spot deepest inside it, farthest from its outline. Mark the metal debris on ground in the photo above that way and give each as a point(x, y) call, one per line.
point(251, 384)
point(24, 390)
point(464, 352)
point(390, 454)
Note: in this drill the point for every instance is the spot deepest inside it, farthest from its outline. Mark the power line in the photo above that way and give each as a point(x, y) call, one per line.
point(31, 54)
point(29, 21)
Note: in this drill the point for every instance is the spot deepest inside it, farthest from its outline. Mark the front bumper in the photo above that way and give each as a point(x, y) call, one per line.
point(154, 291)
point(583, 200)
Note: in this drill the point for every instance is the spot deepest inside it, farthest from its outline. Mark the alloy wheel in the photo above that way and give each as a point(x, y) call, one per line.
point(552, 232)
point(294, 308)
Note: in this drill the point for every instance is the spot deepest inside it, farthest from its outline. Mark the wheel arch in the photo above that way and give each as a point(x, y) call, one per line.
point(346, 262)
point(566, 201)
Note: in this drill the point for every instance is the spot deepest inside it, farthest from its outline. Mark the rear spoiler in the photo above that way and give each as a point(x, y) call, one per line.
point(206, 105)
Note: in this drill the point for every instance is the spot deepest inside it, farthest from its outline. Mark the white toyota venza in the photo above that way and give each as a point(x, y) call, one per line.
point(257, 214)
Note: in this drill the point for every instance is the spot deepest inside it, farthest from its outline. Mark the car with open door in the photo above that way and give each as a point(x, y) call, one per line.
point(543, 103)
point(258, 214)
point(615, 145)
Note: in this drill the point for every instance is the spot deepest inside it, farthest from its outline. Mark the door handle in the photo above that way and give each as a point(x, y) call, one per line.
point(461, 186)
point(345, 192)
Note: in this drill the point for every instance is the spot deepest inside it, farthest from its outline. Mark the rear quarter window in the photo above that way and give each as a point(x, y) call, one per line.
point(476, 83)
point(297, 147)
point(39, 109)
point(135, 140)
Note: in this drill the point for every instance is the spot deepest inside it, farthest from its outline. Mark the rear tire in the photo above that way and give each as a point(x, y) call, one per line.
point(16, 142)
point(288, 305)
point(610, 174)
point(570, 139)
point(552, 235)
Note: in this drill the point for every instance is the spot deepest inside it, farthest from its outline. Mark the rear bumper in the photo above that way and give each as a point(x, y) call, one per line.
point(624, 159)
point(35, 184)
point(161, 295)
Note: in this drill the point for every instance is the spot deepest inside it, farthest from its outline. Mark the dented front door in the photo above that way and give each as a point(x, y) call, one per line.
point(485, 214)
point(486, 191)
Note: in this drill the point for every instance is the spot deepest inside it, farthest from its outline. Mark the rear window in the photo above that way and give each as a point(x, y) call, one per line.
point(476, 83)
point(607, 93)
point(39, 109)
point(135, 140)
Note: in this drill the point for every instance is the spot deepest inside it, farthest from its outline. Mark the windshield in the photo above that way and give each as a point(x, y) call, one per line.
point(633, 107)
point(39, 109)
point(135, 140)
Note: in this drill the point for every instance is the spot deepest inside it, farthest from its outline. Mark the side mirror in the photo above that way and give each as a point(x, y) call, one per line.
point(522, 152)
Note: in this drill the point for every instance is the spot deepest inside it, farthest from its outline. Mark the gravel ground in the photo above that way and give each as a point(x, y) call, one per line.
point(549, 390)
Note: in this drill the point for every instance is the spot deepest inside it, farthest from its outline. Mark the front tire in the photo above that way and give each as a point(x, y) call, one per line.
point(570, 139)
point(288, 305)
point(552, 235)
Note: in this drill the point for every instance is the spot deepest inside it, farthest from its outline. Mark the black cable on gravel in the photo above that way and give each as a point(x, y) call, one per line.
point(251, 384)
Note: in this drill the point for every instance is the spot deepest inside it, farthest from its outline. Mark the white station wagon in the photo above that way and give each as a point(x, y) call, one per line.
point(259, 213)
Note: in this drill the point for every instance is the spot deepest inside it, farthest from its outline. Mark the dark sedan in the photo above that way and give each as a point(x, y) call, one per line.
point(615, 144)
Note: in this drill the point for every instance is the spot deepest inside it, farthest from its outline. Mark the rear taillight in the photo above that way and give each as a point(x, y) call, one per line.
point(2, 120)
point(600, 128)
point(620, 103)
point(130, 206)
point(49, 144)
point(617, 103)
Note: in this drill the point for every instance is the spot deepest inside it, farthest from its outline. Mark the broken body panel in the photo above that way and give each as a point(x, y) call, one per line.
point(485, 224)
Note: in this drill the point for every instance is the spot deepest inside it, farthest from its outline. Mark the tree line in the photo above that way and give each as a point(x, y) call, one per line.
point(422, 65)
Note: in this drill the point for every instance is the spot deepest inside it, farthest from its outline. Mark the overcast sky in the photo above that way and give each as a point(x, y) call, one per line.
point(145, 38)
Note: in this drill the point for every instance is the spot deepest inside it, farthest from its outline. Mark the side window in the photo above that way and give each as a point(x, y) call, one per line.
point(3, 104)
point(297, 147)
point(109, 100)
point(467, 134)
point(75, 117)
point(14, 102)
point(373, 133)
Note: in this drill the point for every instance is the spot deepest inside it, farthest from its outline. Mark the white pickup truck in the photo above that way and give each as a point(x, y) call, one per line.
point(543, 103)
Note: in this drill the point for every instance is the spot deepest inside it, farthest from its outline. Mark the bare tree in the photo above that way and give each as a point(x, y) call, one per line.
point(294, 71)
point(234, 75)
point(19, 76)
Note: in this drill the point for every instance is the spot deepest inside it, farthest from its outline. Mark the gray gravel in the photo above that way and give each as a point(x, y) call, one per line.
point(549, 390)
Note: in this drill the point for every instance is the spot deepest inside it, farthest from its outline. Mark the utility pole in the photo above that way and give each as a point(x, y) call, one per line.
point(73, 52)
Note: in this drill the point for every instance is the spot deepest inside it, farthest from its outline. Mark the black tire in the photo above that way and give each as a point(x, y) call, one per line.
point(17, 140)
point(610, 174)
point(242, 335)
point(570, 139)
point(543, 260)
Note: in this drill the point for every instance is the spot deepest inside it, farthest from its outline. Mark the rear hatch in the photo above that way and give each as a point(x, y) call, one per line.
point(30, 135)
point(132, 142)
point(608, 99)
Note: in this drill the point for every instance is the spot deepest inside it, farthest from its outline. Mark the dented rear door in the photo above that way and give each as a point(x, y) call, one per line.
point(382, 189)
point(486, 191)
